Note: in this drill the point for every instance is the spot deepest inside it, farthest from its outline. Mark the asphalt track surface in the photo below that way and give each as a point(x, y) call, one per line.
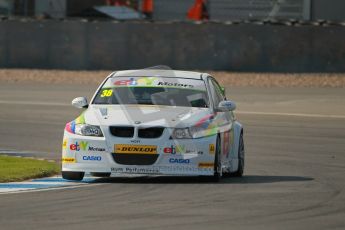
point(294, 176)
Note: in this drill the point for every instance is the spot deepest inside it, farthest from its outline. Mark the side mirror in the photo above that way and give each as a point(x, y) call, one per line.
point(227, 106)
point(80, 102)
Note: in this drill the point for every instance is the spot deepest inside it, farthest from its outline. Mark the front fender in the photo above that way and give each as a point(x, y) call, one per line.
point(238, 129)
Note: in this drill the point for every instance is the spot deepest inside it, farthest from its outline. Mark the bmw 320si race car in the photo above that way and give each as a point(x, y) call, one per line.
point(154, 122)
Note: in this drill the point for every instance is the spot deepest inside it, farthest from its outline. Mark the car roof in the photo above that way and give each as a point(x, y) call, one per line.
point(158, 73)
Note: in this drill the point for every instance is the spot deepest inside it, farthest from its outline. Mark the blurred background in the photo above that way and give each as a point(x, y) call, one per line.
point(239, 35)
point(177, 9)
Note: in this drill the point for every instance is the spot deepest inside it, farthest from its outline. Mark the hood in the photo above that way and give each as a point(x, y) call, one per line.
point(145, 115)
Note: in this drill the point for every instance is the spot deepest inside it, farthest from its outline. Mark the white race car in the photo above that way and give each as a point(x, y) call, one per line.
point(154, 122)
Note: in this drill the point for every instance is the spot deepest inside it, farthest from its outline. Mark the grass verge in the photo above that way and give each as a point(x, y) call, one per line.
point(19, 169)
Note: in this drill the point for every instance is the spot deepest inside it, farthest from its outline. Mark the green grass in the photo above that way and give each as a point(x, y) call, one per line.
point(19, 169)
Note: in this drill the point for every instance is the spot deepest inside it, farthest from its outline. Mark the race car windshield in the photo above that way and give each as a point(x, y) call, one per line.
point(153, 91)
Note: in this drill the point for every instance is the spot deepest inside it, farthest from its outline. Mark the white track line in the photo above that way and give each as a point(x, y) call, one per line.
point(34, 103)
point(292, 114)
point(239, 112)
point(48, 183)
point(47, 189)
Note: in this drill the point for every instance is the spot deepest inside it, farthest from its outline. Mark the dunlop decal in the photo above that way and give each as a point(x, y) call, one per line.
point(68, 160)
point(135, 149)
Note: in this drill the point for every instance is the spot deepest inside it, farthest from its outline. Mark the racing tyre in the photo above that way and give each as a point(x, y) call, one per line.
point(240, 168)
point(72, 175)
point(100, 174)
point(217, 175)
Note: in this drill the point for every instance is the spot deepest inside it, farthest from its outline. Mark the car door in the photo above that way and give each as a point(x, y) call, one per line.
point(223, 120)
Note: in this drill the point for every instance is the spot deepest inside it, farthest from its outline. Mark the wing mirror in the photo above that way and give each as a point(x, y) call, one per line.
point(226, 106)
point(80, 102)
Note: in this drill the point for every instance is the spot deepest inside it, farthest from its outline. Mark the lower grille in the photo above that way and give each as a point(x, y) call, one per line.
point(122, 131)
point(154, 132)
point(135, 159)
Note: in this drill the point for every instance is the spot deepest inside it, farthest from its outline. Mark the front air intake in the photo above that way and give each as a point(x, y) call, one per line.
point(122, 131)
point(134, 159)
point(154, 132)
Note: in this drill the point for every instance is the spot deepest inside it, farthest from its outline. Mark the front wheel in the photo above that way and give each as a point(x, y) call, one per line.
point(72, 175)
point(217, 173)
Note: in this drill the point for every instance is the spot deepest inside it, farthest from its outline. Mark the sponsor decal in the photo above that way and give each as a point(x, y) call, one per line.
point(179, 161)
point(180, 149)
point(206, 165)
point(83, 145)
point(64, 144)
point(92, 158)
point(135, 141)
point(107, 93)
point(117, 170)
point(141, 170)
point(96, 149)
point(212, 149)
point(68, 160)
point(77, 146)
point(145, 81)
point(135, 149)
point(158, 169)
point(135, 170)
point(175, 84)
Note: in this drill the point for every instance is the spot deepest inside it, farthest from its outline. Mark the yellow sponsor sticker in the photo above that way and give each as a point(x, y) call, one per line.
point(107, 93)
point(206, 165)
point(68, 160)
point(211, 149)
point(135, 149)
point(64, 144)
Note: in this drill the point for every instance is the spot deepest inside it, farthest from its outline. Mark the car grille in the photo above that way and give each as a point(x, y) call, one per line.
point(135, 159)
point(122, 131)
point(154, 132)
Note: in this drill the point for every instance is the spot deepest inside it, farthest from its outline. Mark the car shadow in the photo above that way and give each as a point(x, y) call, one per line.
point(247, 179)
point(260, 179)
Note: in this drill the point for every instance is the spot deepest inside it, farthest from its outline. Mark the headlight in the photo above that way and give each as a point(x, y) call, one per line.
point(88, 130)
point(197, 132)
point(193, 132)
point(181, 133)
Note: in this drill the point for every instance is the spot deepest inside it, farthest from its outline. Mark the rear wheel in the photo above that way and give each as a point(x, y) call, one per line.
point(240, 167)
point(72, 175)
point(97, 174)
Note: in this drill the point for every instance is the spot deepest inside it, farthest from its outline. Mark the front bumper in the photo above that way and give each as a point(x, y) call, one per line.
point(185, 157)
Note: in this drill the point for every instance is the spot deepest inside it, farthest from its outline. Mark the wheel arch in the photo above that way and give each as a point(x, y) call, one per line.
point(238, 131)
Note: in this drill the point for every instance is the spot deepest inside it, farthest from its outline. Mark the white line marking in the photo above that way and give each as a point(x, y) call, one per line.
point(49, 189)
point(291, 114)
point(239, 112)
point(43, 184)
point(34, 103)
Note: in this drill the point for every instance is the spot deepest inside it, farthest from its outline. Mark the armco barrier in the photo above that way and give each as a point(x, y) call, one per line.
point(209, 46)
